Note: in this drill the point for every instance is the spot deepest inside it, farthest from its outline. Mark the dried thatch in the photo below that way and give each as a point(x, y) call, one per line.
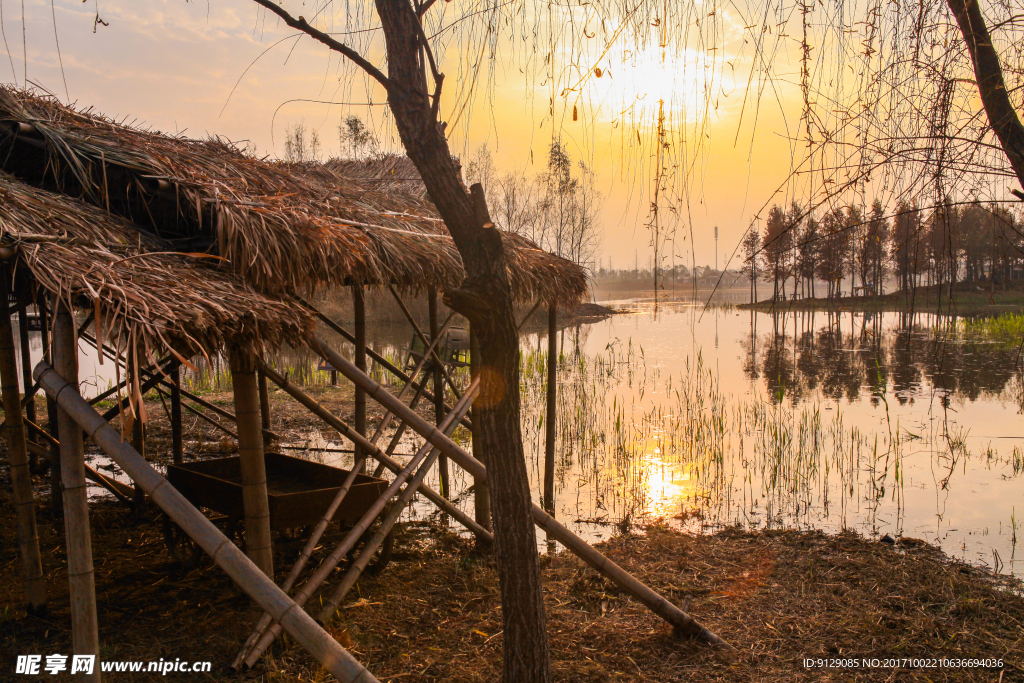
point(283, 227)
point(384, 173)
point(143, 294)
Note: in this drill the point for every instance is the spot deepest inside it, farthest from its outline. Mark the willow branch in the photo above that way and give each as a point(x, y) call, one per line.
point(301, 24)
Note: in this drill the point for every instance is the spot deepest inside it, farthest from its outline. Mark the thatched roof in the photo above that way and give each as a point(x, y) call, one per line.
point(384, 173)
point(143, 293)
point(283, 227)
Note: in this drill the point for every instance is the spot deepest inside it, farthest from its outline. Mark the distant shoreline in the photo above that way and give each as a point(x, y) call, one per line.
point(923, 300)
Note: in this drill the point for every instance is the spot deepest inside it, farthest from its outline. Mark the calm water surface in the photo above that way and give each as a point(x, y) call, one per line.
point(881, 423)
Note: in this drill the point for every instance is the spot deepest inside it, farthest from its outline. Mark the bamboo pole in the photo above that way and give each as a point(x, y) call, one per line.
point(52, 415)
point(338, 661)
point(552, 411)
point(138, 426)
point(682, 621)
point(330, 607)
point(81, 581)
point(177, 436)
point(261, 381)
point(481, 492)
point(438, 386)
point(258, 545)
point(26, 356)
point(483, 535)
point(17, 453)
point(331, 561)
point(359, 410)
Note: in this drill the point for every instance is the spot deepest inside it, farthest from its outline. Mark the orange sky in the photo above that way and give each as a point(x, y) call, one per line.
point(171, 65)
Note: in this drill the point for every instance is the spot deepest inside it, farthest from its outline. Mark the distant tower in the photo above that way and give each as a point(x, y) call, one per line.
point(716, 247)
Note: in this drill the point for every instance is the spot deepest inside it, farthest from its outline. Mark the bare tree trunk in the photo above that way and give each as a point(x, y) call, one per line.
point(485, 298)
point(989, 75)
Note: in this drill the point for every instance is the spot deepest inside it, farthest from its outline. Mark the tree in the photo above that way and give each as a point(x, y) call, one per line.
point(907, 245)
point(484, 298)
point(777, 245)
point(808, 248)
point(871, 249)
point(751, 246)
point(356, 140)
point(301, 144)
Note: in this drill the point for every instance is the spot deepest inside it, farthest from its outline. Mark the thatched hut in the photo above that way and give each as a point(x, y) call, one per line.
point(171, 247)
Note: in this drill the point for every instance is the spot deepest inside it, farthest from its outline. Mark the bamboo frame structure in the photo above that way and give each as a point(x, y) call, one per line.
point(56, 501)
point(379, 359)
point(551, 418)
point(331, 561)
point(81, 579)
point(255, 503)
point(250, 578)
point(679, 619)
point(483, 535)
point(17, 453)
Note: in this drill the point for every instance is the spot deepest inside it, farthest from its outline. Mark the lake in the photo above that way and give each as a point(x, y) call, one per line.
point(884, 423)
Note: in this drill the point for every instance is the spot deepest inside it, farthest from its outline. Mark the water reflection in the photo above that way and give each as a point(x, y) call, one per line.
point(805, 352)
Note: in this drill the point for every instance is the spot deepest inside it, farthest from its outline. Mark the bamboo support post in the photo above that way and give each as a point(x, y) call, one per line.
point(256, 505)
point(359, 409)
point(551, 417)
point(138, 426)
point(438, 386)
point(56, 497)
point(338, 661)
point(26, 355)
point(81, 580)
point(483, 535)
point(261, 380)
point(177, 436)
point(481, 492)
point(328, 564)
point(679, 619)
point(17, 453)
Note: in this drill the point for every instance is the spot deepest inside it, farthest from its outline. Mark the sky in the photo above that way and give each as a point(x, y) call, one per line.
point(227, 68)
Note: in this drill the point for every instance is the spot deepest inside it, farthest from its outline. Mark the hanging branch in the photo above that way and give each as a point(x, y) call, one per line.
point(301, 24)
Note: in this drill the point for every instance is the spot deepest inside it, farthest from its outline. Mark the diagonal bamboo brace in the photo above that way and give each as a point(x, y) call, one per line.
point(311, 404)
point(679, 619)
point(332, 560)
point(224, 552)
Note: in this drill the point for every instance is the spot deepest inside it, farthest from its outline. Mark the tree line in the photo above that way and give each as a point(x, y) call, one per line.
point(945, 245)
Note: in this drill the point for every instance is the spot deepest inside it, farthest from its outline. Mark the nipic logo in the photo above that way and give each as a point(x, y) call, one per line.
point(55, 664)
